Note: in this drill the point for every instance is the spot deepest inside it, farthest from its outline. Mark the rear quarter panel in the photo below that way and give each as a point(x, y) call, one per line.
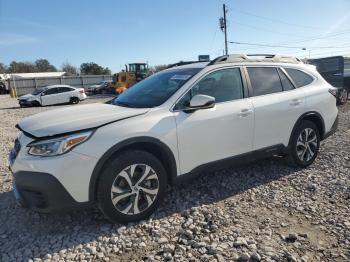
point(319, 99)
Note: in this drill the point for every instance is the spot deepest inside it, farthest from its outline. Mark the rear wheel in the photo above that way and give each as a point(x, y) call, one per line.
point(74, 100)
point(131, 186)
point(304, 144)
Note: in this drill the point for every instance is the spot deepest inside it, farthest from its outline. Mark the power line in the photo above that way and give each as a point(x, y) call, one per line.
point(276, 20)
point(284, 46)
point(332, 52)
point(265, 29)
point(310, 39)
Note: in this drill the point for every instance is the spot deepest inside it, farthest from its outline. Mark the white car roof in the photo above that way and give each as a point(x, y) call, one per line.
point(53, 86)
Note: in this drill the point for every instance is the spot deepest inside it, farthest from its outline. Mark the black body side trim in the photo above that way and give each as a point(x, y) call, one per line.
point(308, 115)
point(44, 193)
point(167, 155)
point(239, 160)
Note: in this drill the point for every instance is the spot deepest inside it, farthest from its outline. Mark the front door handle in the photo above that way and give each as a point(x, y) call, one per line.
point(296, 102)
point(245, 112)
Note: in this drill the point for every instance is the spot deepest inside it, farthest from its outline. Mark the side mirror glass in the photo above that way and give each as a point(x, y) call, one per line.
point(200, 102)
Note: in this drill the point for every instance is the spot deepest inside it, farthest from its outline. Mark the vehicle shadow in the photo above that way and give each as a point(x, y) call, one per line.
point(35, 235)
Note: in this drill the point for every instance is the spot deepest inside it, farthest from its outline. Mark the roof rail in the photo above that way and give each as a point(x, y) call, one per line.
point(236, 58)
point(180, 63)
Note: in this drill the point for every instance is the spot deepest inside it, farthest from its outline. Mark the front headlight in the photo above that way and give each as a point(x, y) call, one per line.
point(58, 146)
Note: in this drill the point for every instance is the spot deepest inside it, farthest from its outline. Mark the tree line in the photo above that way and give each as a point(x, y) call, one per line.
point(43, 65)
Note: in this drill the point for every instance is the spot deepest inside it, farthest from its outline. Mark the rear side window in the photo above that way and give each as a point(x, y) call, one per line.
point(51, 91)
point(300, 78)
point(65, 89)
point(287, 85)
point(264, 80)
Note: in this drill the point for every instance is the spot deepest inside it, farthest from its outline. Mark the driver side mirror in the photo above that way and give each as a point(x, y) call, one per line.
point(200, 102)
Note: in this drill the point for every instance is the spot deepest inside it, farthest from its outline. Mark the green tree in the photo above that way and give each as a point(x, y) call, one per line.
point(158, 68)
point(42, 65)
point(21, 67)
point(93, 69)
point(69, 69)
point(3, 68)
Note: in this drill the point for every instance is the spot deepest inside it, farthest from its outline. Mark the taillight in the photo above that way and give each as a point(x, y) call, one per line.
point(333, 91)
point(81, 91)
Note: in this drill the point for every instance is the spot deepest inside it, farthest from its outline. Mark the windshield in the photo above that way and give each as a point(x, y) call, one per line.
point(38, 91)
point(155, 90)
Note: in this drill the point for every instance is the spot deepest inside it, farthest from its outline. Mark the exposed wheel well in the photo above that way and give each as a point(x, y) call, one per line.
point(318, 121)
point(150, 145)
point(314, 117)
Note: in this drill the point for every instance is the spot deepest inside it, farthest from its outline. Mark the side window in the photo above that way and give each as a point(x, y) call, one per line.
point(300, 78)
point(64, 89)
point(51, 91)
point(224, 85)
point(264, 80)
point(286, 84)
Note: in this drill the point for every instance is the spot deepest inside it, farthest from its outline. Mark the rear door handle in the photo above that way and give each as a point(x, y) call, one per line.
point(245, 112)
point(296, 102)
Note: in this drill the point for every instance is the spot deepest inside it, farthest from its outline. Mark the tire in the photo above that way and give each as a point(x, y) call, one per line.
point(74, 100)
point(306, 134)
point(35, 103)
point(116, 177)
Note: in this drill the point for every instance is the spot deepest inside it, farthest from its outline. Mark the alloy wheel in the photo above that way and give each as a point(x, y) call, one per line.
point(134, 189)
point(307, 144)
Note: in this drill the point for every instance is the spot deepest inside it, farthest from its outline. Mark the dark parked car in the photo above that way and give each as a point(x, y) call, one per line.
point(332, 70)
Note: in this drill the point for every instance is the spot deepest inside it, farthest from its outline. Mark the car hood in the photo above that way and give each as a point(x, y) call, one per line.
point(75, 118)
point(25, 97)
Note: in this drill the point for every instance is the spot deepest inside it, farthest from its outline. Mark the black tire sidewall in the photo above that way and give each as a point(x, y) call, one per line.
point(108, 175)
point(74, 100)
point(292, 145)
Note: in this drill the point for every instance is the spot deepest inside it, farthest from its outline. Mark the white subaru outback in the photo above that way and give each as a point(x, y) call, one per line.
point(121, 156)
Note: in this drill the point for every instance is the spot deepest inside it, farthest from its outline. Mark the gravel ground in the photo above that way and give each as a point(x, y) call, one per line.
point(262, 212)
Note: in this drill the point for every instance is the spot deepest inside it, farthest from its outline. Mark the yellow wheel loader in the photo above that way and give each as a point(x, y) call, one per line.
point(132, 74)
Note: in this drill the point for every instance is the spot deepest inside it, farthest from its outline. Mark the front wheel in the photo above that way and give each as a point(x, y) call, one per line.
point(131, 186)
point(304, 145)
point(36, 103)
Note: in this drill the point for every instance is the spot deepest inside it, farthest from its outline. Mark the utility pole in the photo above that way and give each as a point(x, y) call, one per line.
point(223, 26)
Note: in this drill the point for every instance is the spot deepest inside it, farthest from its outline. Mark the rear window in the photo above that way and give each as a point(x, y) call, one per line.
point(300, 78)
point(65, 89)
point(264, 80)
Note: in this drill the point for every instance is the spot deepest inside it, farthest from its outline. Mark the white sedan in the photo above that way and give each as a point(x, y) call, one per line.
point(52, 95)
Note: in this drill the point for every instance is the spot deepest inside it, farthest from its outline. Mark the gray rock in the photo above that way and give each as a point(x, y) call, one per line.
point(240, 241)
point(244, 257)
point(292, 237)
point(255, 256)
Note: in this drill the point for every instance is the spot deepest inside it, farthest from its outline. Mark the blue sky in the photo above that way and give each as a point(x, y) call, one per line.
point(112, 33)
